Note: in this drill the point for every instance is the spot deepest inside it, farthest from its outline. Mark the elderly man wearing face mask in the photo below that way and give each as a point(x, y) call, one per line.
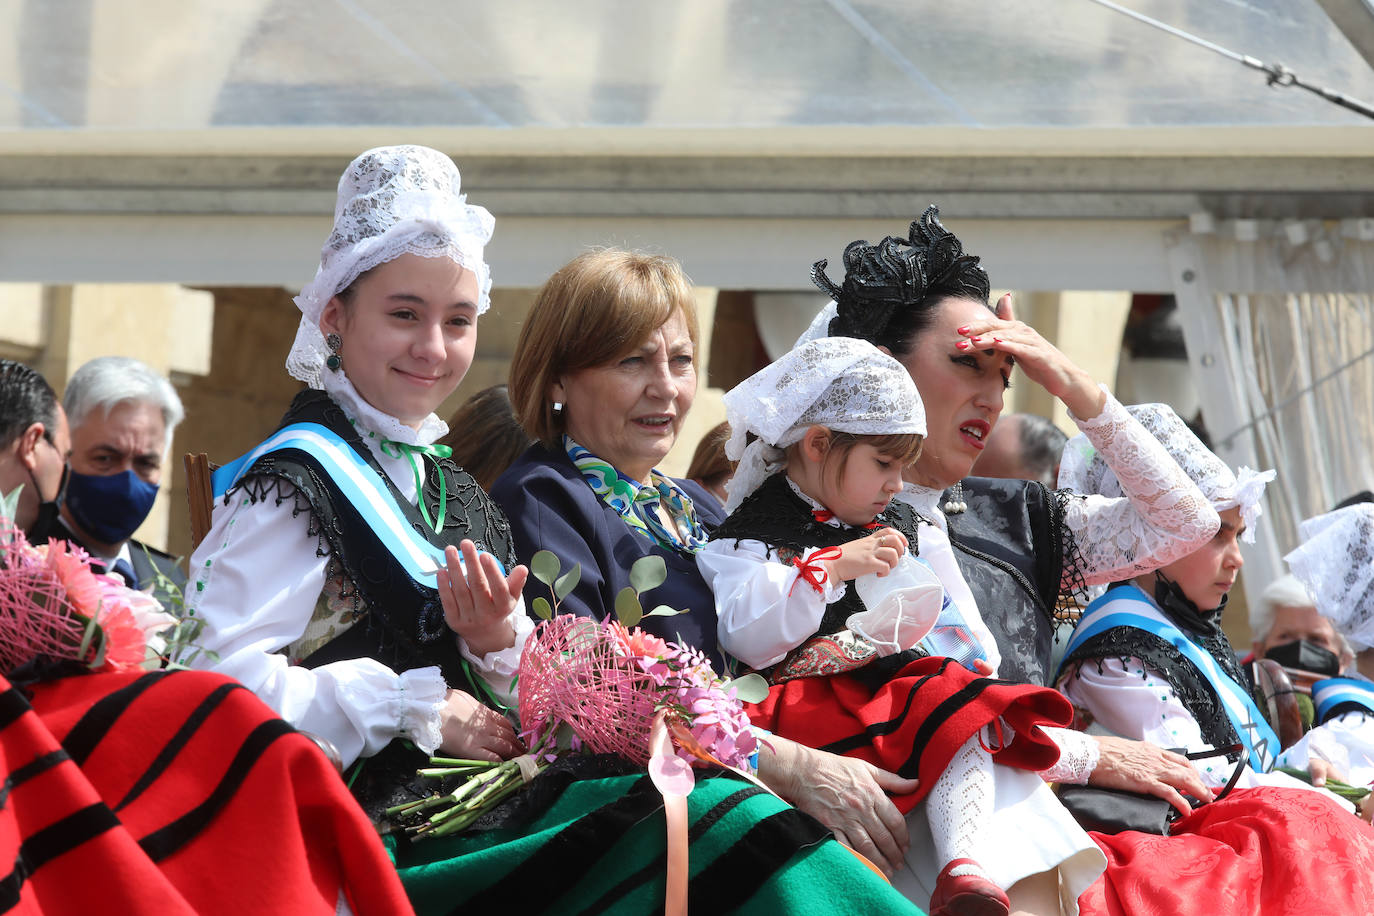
point(122, 415)
point(34, 447)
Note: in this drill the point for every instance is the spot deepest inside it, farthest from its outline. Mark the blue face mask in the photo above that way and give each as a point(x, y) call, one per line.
point(111, 507)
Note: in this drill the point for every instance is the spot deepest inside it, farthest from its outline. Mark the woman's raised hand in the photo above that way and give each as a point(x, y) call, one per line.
point(478, 598)
point(877, 553)
point(476, 732)
point(1038, 358)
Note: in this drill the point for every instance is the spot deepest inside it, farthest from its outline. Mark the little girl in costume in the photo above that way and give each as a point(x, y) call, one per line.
point(811, 508)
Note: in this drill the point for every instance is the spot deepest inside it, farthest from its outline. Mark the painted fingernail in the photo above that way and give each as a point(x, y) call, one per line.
point(997, 340)
point(978, 339)
point(963, 330)
point(961, 345)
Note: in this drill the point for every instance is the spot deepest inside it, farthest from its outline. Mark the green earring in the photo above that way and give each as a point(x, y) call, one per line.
point(335, 361)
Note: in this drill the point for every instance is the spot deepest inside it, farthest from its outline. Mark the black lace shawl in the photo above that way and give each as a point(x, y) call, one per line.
point(1189, 683)
point(403, 625)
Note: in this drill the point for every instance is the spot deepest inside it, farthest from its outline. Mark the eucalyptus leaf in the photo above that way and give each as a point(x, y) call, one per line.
point(567, 582)
point(627, 607)
point(750, 688)
point(664, 611)
point(648, 573)
point(542, 609)
point(544, 566)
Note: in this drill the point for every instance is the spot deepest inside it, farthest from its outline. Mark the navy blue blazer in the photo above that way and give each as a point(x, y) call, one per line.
point(551, 507)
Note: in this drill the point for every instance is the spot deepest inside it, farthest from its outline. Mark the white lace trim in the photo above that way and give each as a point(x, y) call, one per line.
point(837, 382)
point(1160, 515)
point(926, 502)
point(1336, 563)
point(1078, 756)
point(417, 706)
point(370, 419)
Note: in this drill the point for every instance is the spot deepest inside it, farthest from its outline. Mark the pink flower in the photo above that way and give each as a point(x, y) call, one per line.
point(125, 645)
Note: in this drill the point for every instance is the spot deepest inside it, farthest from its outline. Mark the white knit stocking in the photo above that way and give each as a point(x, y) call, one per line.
point(959, 806)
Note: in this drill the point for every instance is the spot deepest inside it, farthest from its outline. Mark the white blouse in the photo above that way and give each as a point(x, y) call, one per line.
point(255, 582)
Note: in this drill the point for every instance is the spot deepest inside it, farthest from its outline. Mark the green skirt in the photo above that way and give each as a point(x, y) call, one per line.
point(600, 848)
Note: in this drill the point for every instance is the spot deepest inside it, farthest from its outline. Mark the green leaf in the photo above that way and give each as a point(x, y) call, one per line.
point(542, 609)
point(750, 688)
point(648, 573)
point(567, 582)
point(627, 607)
point(664, 611)
point(544, 566)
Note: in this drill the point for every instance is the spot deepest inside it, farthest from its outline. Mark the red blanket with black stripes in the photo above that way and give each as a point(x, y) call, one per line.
point(175, 792)
point(914, 723)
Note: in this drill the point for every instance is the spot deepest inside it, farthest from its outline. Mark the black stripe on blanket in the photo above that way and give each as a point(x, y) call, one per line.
point(739, 872)
point(573, 853)
point(173, 747)
point(92, 727)
point(164, 841)
point(656, 867)
point(40, 764)
point(13, 704)
point(51, 842)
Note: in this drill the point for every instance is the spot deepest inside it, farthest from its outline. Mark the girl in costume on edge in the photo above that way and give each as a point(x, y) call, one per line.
point(354, 578)
point(812, 509)
point(1149, 660)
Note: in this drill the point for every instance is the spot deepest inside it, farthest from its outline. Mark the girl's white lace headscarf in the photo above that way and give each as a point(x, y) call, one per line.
point(1336, 563)
point(840, 383)
point(1082, 470)
point(392, 200)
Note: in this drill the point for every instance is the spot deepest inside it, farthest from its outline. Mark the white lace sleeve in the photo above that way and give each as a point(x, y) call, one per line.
point(1162, 518)
point(1078, 756)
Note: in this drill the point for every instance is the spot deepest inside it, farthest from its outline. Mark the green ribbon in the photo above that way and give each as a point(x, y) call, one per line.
point(409, 452)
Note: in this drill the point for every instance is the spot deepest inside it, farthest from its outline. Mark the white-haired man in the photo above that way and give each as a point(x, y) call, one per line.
point(122, 415)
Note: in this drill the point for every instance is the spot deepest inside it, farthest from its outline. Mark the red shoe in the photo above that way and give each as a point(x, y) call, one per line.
point(967, 895)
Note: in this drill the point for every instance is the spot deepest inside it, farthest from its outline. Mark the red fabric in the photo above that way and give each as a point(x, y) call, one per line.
point(1257, 851)
point(287, 838)
point(833, 713)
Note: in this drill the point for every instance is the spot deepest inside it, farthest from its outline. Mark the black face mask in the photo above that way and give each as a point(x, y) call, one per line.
point(1306, 656)
point(47, 509)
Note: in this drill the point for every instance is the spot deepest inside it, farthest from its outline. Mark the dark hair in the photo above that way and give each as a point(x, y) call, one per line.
point(901, 447)
point(710, 466)
point(1042, 444)
point(1364, 496)
point(484, 435)
point(26, 398)
point(891, 289)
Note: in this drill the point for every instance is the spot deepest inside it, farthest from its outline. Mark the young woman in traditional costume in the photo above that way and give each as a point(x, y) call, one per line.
point(353, 577)
point(835, 423)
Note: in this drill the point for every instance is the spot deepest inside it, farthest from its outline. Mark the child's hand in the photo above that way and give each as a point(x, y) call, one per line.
point(475, 732)
point(477, 604)
point(877, 553)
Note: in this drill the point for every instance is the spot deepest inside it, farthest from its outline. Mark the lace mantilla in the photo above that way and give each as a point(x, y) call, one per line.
point(1163, 516)
point(1084, 470)
point(392, 200)
point(842, 384)
point(1336, 563)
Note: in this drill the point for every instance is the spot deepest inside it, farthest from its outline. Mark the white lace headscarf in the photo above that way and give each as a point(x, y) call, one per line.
point(1082, 470)
point(840, 383)
point(1336, 563)
point(392, 200)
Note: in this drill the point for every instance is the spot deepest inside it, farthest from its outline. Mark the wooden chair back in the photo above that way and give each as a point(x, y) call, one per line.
point(199, 495)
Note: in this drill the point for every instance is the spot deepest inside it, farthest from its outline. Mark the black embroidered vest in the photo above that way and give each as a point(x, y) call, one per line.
point(1190, 685)
point(777, 516)
point(1012, 546)
point(402, 622)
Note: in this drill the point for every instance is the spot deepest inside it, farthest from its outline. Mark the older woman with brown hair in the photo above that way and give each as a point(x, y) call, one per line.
point(603, 375)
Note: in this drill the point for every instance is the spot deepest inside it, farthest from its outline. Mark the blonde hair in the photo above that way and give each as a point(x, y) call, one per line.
point(595, 309)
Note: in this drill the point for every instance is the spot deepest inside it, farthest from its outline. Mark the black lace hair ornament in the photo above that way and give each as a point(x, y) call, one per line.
point(899, 274)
